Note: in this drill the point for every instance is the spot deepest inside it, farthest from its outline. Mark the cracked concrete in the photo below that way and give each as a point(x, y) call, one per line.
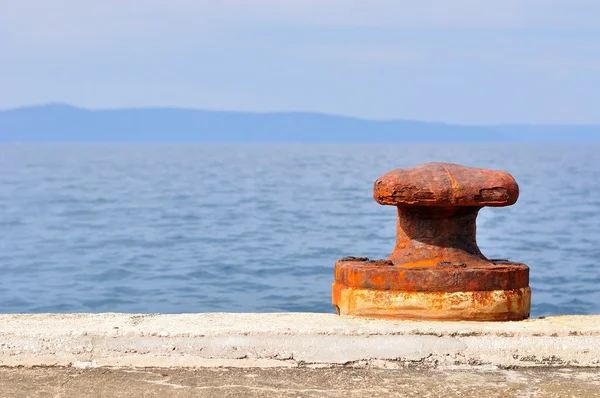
point(295, 383)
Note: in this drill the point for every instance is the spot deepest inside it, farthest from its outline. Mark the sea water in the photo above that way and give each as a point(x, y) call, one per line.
point(258, 227)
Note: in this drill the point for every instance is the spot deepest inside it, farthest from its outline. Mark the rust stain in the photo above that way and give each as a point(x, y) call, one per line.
point(436, 270)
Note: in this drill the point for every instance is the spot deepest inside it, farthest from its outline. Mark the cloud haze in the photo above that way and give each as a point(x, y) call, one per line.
point(462, 61)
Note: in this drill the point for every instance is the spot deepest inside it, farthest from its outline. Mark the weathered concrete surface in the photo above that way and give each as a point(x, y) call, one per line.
point(300, 382)
point(293, 340)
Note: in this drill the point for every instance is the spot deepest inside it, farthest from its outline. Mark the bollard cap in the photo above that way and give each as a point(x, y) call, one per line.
point(446, 184)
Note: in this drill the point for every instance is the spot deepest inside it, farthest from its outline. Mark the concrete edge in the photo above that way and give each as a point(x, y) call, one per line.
point(293, 340)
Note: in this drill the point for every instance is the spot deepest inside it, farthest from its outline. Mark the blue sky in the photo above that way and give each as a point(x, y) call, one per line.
point(459, 61)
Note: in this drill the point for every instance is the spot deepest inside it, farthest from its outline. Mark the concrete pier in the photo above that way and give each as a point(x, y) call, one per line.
point(292, 340)
point(295, 354)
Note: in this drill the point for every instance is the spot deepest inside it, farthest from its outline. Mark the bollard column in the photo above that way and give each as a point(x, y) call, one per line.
point(436, 271)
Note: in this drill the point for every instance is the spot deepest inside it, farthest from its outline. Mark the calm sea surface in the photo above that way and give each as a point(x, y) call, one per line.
point(258, 227)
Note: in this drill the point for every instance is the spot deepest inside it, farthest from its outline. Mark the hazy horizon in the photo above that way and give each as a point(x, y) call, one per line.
point(66, 123)
point(275, 112)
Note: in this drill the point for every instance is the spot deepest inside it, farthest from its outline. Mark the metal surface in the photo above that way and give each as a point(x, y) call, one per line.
point(436, 270)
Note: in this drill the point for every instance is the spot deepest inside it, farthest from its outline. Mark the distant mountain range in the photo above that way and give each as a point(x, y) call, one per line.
point(65, 123)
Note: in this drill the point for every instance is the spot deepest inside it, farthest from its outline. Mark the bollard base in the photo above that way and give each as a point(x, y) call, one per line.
point(491, 305)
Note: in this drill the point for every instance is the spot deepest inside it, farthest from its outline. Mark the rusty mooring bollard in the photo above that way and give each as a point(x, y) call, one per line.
point(436, 270)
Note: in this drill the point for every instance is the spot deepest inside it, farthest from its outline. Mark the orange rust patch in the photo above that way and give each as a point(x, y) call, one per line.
point(494, 305)
point(447, 278)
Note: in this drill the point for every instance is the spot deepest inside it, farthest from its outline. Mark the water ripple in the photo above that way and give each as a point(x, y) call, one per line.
point(197, 228)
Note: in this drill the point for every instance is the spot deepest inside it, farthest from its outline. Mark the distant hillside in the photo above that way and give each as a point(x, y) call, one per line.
point(65, 123)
